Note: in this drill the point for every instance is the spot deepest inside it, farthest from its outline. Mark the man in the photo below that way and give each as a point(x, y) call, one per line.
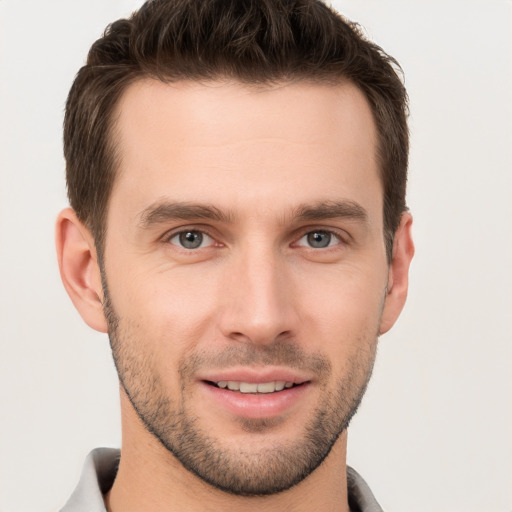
point(236, 172)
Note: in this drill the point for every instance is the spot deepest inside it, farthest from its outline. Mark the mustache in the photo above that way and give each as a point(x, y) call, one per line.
point(279, 353)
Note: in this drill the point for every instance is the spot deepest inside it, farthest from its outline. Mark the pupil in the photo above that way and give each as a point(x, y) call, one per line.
point(319, 239)
point(191, 239)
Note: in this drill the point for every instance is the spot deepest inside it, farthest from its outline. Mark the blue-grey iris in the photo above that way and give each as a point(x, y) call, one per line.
point(191, 239)
point(319, 239)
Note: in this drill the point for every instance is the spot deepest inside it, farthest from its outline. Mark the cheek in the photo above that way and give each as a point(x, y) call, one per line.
point(175, 309)
point(348, 294)
point(342, 316)
point(167, 310)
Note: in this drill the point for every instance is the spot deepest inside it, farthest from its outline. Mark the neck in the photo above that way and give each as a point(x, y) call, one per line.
point(151, 478)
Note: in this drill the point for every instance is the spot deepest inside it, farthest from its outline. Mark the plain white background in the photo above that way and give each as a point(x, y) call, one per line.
point(435, 429)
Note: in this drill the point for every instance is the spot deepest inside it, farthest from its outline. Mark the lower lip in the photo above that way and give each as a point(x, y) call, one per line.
point(252, 405)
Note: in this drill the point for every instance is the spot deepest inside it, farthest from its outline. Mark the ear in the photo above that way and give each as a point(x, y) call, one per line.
point(79, 269)
point(398, 276)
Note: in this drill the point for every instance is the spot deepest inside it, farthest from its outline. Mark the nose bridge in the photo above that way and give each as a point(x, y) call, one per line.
point(259, 308)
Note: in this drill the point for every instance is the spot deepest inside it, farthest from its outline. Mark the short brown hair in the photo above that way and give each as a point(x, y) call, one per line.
point(251, 41)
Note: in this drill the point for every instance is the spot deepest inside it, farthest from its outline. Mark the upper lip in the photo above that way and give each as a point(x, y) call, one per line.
point(255, 375)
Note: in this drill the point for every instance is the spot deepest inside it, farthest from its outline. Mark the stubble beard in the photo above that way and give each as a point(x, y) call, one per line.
point(245, 472)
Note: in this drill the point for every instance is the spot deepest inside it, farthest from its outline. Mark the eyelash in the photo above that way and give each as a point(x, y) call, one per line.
point(332, 235)
point(342, 239)
point(169, 236)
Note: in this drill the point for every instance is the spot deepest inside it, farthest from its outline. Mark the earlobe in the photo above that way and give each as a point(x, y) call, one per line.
point(398, 279)
point(79, 269)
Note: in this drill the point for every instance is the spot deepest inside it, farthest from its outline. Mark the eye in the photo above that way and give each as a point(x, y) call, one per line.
point(319, 239)
point(191, 239)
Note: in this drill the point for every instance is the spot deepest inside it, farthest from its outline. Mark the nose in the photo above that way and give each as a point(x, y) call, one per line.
point(259, 299)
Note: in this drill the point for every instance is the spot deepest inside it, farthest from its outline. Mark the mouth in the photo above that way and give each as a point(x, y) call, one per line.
point(256, 393)
point(254, 387)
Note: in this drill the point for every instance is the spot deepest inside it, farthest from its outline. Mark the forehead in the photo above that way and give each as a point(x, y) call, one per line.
point(231, 144)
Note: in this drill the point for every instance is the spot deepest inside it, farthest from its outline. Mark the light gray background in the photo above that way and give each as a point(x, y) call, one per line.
point(435, 429)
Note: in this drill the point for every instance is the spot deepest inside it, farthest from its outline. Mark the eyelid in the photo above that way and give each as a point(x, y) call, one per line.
point(340, 234)
point(205, 230)
point(343, 236)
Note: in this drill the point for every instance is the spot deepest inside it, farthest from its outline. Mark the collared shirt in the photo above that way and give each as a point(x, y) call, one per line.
point(100, 470)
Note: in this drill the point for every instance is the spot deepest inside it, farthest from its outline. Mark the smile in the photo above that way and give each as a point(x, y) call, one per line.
point(244, 394)
point(253, 387)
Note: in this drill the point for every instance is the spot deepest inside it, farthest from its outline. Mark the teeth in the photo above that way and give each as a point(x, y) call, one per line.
point(280, 385)
point(245, 387)
point(267, 387)
point(251, 387)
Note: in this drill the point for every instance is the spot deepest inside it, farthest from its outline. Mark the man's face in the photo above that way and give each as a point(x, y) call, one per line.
point(246, 272)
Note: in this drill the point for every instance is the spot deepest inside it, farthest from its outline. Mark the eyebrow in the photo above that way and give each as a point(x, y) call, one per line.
point(167, 211)
point(331, 210)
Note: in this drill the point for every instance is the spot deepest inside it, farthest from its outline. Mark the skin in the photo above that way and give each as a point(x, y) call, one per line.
point(273, 164)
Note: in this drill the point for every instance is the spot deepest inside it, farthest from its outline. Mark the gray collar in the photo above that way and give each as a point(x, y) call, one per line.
point(100, 470)
point(98, 474)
